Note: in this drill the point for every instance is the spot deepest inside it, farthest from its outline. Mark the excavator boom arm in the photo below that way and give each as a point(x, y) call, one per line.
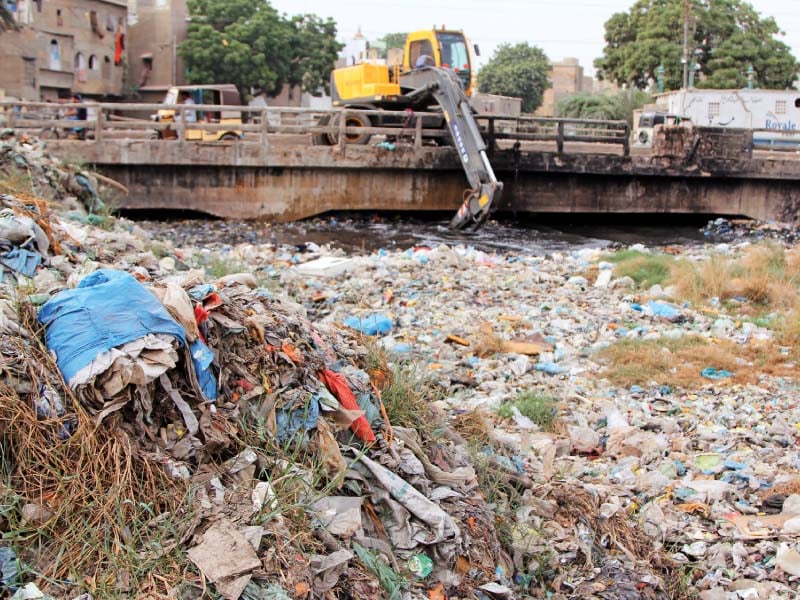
point(445, 87)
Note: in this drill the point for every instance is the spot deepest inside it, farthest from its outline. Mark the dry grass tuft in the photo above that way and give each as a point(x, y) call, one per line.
point(765, 275)
point(110, 518)
point(680, 361)
point(473, 427)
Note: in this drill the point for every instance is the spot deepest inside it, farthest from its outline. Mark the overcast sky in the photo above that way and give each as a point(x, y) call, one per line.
point(560, 27)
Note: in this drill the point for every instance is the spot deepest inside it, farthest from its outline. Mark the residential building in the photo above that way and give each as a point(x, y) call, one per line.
point(567, 77)
point(155, 30)
point(64, 47)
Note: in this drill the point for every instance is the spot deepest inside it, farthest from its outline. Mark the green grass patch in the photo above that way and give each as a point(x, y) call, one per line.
point(645, 268)
point(217, 266)
point(539, 408)
point(408, 396)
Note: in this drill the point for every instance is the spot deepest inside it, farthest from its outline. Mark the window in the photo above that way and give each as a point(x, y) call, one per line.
point(417, 49)
point(780, 107)
point(106, 67)
point(713, 109)
point(110, 23)
point(59, 18)
point(95, 24)
point(80, 67)
point(797, 103)
point(454, 51)
point(30, 72)
point(55, 55)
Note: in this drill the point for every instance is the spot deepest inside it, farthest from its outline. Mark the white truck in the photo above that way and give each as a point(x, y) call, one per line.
point(773, 114)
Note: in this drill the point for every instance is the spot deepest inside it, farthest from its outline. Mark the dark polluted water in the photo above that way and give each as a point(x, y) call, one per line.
point(356, 233)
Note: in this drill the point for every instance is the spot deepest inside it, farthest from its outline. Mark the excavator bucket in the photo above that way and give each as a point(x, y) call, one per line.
point(474, 211)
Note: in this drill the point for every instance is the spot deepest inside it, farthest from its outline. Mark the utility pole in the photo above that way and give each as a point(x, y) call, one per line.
point(685, 44)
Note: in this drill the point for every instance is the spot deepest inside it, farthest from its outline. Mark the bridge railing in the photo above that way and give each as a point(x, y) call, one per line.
point(259, 123)
point(558, 130)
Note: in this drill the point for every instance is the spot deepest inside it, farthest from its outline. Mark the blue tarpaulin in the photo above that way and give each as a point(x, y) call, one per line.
point(107, 309)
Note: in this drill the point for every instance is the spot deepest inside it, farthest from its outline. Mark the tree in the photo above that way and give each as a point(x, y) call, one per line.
point(248, 43)
point(394, 40)
point(726, 37)
point(520, 70)
point(618, 107)
point(314, 50)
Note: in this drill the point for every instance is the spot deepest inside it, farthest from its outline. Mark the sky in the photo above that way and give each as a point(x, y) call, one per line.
point(562, 28)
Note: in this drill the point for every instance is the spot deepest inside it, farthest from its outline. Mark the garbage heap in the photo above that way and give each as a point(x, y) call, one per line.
point(163, 433)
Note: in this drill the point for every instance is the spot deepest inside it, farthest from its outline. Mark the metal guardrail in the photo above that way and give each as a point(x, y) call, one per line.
point(263, 122)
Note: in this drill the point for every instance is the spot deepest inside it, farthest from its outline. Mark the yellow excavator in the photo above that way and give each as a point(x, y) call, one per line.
point(436, 75)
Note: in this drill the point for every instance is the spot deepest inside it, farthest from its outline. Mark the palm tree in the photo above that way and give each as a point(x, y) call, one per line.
point(6, 19)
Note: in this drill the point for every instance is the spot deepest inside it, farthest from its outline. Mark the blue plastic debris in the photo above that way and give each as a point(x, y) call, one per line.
point(387, 146)
point(550, 368)
point(712, 373)
point(107, 309)
point(734, 465)
point(9, 568)
point(199, 292)
point(22, 261)
point(659, 308)
point(636, 389)
point(202, 357)
point(377, 324)
point(302, 419)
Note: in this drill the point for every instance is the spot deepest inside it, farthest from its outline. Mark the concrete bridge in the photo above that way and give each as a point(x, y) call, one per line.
point(547, 166)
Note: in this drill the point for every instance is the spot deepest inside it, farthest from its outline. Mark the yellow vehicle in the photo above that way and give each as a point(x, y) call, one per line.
point(217, 94)
point(434, 76)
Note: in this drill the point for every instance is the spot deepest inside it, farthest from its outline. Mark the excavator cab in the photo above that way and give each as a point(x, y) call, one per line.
point(448, 49)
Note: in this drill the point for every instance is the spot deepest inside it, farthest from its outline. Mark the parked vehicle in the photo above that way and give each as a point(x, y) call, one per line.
point(643, 134)
point(217, 94)
point(773, 115)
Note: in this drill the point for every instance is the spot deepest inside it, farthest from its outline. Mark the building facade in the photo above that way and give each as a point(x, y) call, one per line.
point(566, 78)
point(64, 47)
point(155, 29)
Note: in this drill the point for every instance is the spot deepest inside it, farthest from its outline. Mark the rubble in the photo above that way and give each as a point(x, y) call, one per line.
point(178, 418)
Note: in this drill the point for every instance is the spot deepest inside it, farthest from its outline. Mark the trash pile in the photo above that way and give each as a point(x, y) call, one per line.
point(439, 422)
point(164, 432)
point(721, 229)
point(658, 466)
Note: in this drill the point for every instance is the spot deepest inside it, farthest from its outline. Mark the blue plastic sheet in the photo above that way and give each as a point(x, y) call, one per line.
point(202, 357)
point(376, 324)
point(711, 373)
point(107, 309)
point(662, 309)
point(22, 261)
point(292, 422)
point(550, 368)
point(199, 292)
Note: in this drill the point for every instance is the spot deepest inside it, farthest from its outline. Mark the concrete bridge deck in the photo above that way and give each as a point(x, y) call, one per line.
point(289, 182)
point(274, 173)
